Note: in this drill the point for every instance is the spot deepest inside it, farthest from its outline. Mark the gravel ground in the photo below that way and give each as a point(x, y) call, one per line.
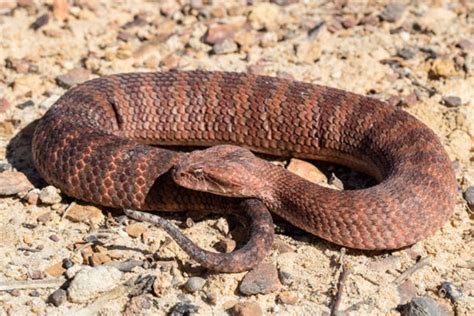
point(59, 256)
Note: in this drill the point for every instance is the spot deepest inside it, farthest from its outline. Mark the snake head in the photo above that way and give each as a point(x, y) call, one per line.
point(223, 170)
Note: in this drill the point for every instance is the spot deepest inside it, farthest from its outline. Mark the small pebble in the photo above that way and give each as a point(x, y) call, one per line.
point(392, 12)
point(126, 266)
point(211, 297)
point(183, 309)
point(15, 293)
point(44, 218)
point(218, 33)
point(288, 298)
point(97, 259)
point(67, 263)
point(79, 213)
point(4, 105)
point(194, 284)
point(89, 282)
point(50, 195)
point(73, 77)
point(469, 197)
point(225, 47)
point(262, 279)
point(32, 197)
point(465, 44)
point(452, 101)
point(54, 238)
point(42, 20)
point(410, 99)
point(246, 309)
point(57, 297)
point(56, 270)
point(135, 230)
point(226, 245)
point(284, 2)
point(349, 22)
point(406, 53)
point(34, 293)
point(37, 275)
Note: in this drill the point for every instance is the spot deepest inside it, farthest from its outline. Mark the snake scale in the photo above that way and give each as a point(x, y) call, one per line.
point(96, 144)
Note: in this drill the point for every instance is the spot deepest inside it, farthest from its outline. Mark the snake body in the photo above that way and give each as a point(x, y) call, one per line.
point(95, 145)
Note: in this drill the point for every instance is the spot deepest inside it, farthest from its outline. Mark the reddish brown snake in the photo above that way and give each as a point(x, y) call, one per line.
point(94, 144)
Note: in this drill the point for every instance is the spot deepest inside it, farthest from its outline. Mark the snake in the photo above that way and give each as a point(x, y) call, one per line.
point(100, 143)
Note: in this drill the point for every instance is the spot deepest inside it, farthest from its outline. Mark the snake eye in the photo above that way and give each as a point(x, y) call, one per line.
point(198, 172)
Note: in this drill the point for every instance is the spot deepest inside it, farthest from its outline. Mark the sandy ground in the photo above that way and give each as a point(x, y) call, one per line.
point(417, 54)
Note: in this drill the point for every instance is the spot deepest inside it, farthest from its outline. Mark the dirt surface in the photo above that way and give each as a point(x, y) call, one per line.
point(418, 55)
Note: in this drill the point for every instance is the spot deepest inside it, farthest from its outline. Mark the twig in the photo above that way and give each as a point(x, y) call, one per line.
point(417, 266)
point(340, 288)
point(31, 284)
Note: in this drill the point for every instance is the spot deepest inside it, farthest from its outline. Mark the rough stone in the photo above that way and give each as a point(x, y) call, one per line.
point(469, 197)
point(12, 183)
point(246, 309)
point(4, 105)
point(262, 279)
point(85, 214)
point(194, 284)
point(452, 101)
point(218, 33)
point(288, 298)
point(73, 77)
point(392, 12)
point(50, 195)
point(90, 282)
point(225, 47)
point(58, 297)
point(135, 230)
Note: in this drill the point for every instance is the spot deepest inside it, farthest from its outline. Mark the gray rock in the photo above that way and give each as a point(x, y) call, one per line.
point(182, 309)
point(58, 297)
point(392, 12)
point(469, 197)
point(406, 53)
point(50, 195)
point(452, 101)
point(90, 282)
point(194, 284)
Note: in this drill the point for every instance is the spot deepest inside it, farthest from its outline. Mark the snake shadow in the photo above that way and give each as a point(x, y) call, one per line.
point(19, 156)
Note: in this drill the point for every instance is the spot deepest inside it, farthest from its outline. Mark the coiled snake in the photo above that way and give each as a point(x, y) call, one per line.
point(95, 145)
